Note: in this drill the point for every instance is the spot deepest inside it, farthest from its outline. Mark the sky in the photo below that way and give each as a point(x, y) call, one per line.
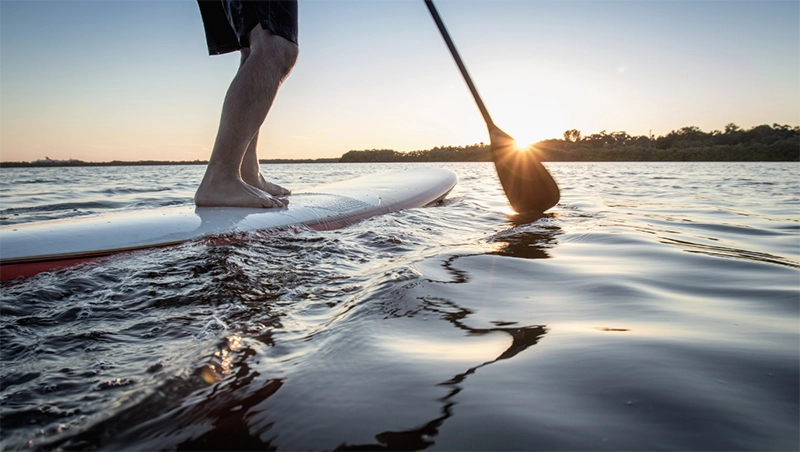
point(132, 80)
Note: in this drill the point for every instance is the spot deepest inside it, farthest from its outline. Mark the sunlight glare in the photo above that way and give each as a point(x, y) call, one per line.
point(524, 136)
point(524, 145)
point(462, 349)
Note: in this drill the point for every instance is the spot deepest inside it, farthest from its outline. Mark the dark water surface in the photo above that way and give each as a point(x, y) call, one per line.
point(656, 307)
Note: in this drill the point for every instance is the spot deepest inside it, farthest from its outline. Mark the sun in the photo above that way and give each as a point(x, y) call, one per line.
point(524, 145)
point(525, 130)
point(530, 125)
point(524, 141)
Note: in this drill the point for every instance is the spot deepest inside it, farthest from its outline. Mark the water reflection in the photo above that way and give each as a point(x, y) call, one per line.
point(523, 219)
point(188, 414)
point(423, 437)
point(530, 238)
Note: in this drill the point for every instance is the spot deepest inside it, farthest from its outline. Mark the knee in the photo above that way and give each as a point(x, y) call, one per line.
point(286, 56)
point(277, 53)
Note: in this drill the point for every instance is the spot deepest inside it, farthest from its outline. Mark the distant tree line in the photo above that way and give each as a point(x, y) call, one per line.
point(73, 162)
point(472, 153)
point(777, 142)
point(760, 143)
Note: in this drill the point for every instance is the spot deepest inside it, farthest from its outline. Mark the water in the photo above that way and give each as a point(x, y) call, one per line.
point(656, 307)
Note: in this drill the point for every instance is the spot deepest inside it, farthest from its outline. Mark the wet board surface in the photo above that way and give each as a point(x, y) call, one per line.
point(28, 249)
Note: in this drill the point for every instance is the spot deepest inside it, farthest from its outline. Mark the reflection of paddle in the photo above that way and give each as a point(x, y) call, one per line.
point(528, 185)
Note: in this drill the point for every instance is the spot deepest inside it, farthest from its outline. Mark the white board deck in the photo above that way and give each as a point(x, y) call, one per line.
point(28, 249)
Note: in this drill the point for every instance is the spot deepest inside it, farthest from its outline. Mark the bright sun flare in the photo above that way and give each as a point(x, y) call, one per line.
point(524, 143)
point(524, 138)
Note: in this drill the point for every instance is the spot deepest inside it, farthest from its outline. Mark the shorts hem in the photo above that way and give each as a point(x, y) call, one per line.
point(228, 22)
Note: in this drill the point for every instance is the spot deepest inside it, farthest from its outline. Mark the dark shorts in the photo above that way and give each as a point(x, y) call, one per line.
point(227, 22)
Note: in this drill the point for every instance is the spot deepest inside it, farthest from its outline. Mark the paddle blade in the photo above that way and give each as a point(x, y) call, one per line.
point(528, 185)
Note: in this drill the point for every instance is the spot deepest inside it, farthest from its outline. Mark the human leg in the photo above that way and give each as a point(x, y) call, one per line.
point(251, 169)
point(251, 172)
point(249, 98)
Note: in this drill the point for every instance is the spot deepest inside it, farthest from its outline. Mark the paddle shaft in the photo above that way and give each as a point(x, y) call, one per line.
point(528, 185)
point(486, 117)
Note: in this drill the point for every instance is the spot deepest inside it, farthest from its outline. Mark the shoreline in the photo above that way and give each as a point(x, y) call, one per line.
point(281, 162)
point(776, 143)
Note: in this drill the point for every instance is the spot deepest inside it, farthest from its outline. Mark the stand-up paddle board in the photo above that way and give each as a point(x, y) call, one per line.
point(28, 249)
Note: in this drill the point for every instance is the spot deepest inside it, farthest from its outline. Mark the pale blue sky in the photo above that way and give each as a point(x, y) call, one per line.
point(132, 80)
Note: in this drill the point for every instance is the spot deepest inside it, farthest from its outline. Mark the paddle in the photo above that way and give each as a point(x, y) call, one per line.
point(528, 185)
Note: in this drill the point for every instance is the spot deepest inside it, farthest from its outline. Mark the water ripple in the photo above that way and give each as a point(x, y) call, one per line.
point(655, 307)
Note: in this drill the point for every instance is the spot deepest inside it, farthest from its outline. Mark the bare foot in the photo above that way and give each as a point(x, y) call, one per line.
point(262, 184)
point(234, 193)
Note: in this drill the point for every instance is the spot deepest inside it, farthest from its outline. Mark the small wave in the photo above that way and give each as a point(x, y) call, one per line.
point(724, 251)
point(73, 206)
point(132, 190)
